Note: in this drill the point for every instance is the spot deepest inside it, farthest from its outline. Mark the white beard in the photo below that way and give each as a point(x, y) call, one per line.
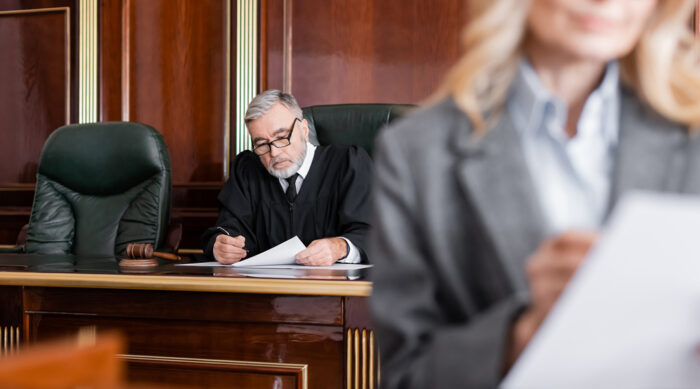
point(288, 172)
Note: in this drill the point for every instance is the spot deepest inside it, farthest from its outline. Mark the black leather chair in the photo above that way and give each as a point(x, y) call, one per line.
point(99, 187)
point(355, 124)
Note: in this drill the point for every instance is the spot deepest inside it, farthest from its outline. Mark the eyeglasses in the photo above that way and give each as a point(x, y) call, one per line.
point(264, 148)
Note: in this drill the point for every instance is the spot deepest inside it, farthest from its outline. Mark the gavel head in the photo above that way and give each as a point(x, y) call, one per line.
point(139, 250)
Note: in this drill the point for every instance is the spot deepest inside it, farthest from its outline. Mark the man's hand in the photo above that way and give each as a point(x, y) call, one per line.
point(549, 269)
point(228, 249)
point(323, 252)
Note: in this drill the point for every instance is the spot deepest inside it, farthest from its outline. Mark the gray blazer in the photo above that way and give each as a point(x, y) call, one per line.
point(455, 218)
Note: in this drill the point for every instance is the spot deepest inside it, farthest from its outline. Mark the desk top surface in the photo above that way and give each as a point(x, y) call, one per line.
point(104, 272)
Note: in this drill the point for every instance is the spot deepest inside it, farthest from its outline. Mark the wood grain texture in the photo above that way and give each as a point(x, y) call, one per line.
point(35, 74)
point(239, 327)
point(175, 75)
point(34, 57)
point(109, 14)
point(162, 62)
point(220, 307)
point(351, 51)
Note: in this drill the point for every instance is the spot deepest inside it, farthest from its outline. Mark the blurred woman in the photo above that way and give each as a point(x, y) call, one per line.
point(487, 201)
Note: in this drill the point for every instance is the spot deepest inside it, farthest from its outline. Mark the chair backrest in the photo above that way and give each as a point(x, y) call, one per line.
point(355, 124)
point(99, 187)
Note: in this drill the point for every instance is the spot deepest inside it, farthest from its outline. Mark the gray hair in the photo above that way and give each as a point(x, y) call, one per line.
point(265, 100)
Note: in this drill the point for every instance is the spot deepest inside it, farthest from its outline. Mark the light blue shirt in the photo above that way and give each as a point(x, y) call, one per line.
point(572, 176)
point(353, 252)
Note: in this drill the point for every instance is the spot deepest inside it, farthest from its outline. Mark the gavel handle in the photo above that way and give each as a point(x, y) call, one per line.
point(172, 257)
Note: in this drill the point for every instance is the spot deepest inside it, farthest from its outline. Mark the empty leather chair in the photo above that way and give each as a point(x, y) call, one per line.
point(99, 187)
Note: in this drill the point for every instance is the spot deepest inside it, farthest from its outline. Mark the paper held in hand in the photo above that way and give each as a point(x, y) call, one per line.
point(282, 254)
point(630, 317)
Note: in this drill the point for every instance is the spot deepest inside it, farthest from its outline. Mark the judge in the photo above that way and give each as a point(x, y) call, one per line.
point(286, 186)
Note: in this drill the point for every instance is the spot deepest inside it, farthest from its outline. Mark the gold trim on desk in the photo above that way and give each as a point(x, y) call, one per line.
point(189, 283)
point(371, 359)
point(364, 359)
point(359, 359)
point(10, 340)
point(348, 359)
point(293, 368)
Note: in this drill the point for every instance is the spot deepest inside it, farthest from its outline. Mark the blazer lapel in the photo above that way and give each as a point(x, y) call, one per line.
point(650, 151)
point(494, 175)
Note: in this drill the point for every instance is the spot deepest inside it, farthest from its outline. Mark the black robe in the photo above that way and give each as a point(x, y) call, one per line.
point(333, 201)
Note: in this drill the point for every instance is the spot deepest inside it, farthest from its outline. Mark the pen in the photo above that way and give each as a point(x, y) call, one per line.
point(226, 232)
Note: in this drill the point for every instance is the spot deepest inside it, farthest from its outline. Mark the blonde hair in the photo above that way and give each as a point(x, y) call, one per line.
point(663, 68)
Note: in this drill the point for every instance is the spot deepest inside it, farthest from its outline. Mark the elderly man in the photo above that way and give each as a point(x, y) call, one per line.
point(286, 186)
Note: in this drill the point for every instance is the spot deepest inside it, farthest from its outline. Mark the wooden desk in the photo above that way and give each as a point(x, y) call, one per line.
point(200, 326)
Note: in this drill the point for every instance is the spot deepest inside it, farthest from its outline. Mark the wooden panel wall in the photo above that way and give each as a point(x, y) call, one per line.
point(163, 64)
point(352, 51)
point(38, 93)
point(38, 72)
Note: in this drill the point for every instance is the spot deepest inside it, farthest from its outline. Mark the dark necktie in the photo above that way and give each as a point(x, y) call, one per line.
point(292, 188)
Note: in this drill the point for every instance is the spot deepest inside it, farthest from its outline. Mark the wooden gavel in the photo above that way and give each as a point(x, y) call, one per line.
point(145, 250)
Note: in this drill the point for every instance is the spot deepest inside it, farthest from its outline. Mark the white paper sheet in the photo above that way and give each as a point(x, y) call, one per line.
point(630, 317)
point(335, 266)
point(282, 254)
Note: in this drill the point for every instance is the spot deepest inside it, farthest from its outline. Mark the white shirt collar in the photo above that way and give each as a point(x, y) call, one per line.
point(531, 103)
point(306, 165)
